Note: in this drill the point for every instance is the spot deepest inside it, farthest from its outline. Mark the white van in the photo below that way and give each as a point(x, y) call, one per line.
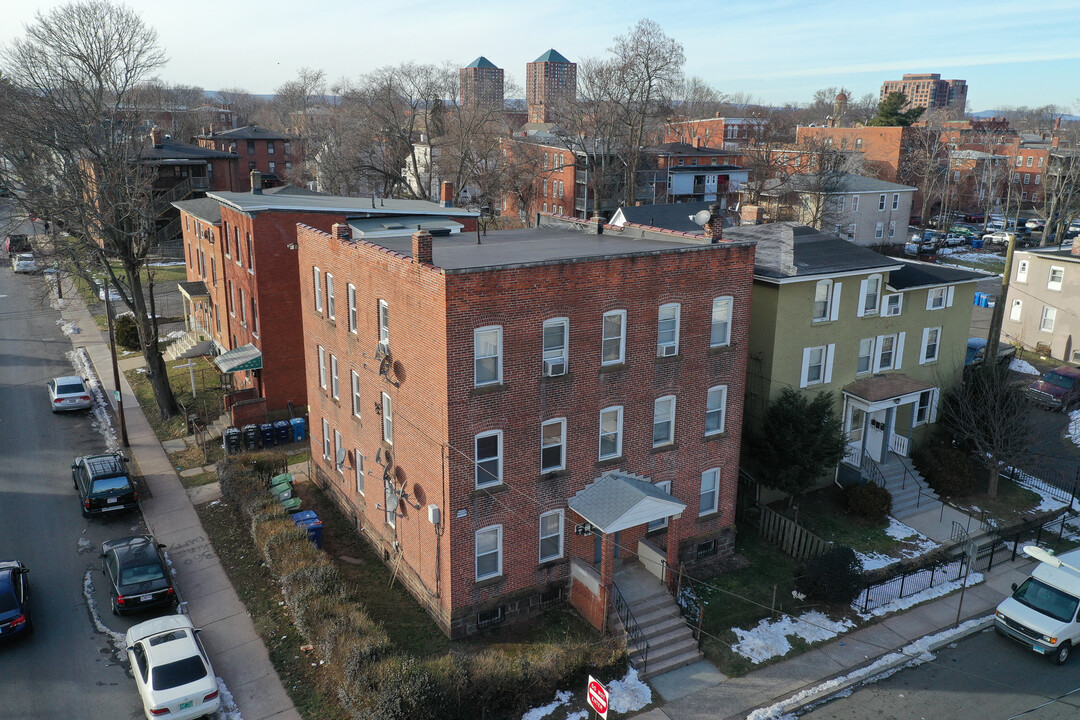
point(1042, 611)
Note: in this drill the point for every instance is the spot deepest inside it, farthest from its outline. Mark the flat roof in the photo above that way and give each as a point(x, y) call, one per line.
point(252, 202)
point(539, 246)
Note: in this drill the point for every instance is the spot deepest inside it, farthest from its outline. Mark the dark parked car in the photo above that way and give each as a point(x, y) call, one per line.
point(104, 484)
point(15, 244)
point(976, 352)
point(138, 574)
point(1057, 389)
point(14, 600)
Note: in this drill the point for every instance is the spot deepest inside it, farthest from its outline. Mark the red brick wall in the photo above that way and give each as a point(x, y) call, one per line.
point(194, 242)
point(881, 146)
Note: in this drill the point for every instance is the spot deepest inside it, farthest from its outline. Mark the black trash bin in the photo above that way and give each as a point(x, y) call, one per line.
point(283, 431)
point(266, 430)
point(251, 436)
point(232, 441)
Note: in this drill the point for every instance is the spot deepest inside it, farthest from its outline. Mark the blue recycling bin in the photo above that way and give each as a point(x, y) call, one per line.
point(266, 431)
point(299, 429)
point(976, 243)
point(309, 520)
point(283, 432)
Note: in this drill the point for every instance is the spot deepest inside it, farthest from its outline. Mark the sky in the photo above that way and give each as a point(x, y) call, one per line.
point(770, 51)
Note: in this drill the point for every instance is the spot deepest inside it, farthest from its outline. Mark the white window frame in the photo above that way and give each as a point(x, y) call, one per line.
point(881, 202)
point(869, 355)
point(659, 409)
point(560, 535)
point(317, 278)
point(661, 344)
point(330, 308)
point(1022, 271)
point(606, 340)
point(338, 447)
point(924, 356)
point(896, 201)
point(865, 295)
point(350, 291)
point(326, 439)
point(892, 229)
point(355, 380)
point(1051, 283)
point(809, 362)
point(544, 445)
point(384, 324)
point(826, 313)
point(498, 458)
point(892, 305)
point(358, 462)
point(498, 551)
point(556, 354)
point(879, 230)
point(387, 419)
point(854, 203)
point(1049, 317)
point(924, 414)
point(896, 358)
point(716, 409)
point(497, 330)
point(724, 306)
point(710, 476)
point(662, 523)
point(334, 387)
point(617, 410)
point(322, 367)
point(1016, 311)
point(936, 298)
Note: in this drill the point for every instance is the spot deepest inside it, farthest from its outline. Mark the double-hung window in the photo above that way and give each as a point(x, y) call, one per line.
point(339, 453)
point(879, 230)
point(387, 419)
point(926, 408)
point(813, 370)
point(667, 333)
point(489, 552)
point(350, 292)
point(662, 523)
point(555, 354)
point(715, 409)
point(384, 325)
point(551, 535)
point(1057, 277)
point(892, 304)
point(822, 300)
point(1049, 315)
point(322, 367)
point(611, 432)
point(318, 285)
point(896, 201)
point(488, 458)
point(663, 421)
point(326, 439)
point(890, 349)
point(359, 463)
point(553, 445)
point(866, 356)
point(930, 341)
point(720, 332)
point(355, 377)
point(870, 295)
point(881, 202)
point(613, 344)
point(487, 355)
point(710, 492)
point(935, 298)
point(333, 376)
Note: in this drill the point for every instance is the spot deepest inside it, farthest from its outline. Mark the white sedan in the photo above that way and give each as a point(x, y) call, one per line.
point(173, 674)
point(24, 263)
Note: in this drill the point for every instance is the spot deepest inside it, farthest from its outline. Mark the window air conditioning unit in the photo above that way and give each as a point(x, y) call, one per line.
point(667, 349)
point(554, 367)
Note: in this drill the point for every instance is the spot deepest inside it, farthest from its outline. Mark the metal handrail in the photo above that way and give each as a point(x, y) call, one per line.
point(870, 467)
point(634, 634)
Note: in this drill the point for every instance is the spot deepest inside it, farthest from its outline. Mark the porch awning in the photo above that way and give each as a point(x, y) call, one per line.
point(193, 290)
point(245, 357)
point(886, 387)
point(617, 501)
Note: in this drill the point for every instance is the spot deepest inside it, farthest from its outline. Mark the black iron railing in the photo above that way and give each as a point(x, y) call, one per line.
point(634, 635)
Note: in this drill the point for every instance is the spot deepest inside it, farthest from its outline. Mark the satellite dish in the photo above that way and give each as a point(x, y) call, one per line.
point(341, 455)
point(701, 217)
point(392, 498)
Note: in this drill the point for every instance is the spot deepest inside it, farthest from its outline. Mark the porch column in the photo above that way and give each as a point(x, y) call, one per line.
point(865, 432)
point(188, 311)
point(607, 570)
point(886, 433)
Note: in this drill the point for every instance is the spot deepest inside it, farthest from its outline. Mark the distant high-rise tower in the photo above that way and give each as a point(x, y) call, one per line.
point(548, 79)
point(481, 84)
point(928, 90)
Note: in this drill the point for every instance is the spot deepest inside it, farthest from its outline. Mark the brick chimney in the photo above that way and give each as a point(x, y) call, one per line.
point(446, 193)
point(1057, 124)
point(256, 182)
point(341, 231)
point(211, 128)
point(751, 214)
point(155, 137)
point(714, 228)
point(699, 142)
point(421, 247)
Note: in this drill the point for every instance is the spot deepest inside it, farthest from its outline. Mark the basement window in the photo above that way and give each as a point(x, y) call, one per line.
point(706, 549)
point(489, 617)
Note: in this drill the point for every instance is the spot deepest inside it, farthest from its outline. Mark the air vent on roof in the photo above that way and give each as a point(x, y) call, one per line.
point(439, 232)
point(393, 226)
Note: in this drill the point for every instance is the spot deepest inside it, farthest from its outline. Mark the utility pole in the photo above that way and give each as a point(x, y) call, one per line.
point(996, 317)
point(115, 368)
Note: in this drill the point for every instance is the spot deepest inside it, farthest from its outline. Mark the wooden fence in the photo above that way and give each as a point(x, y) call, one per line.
point(789, 536)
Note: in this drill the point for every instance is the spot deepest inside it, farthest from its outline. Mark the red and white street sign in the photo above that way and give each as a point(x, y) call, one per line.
point(598, 697)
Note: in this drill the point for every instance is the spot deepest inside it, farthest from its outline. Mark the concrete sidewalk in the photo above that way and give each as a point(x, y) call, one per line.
point(236, 650)
point(737, 697)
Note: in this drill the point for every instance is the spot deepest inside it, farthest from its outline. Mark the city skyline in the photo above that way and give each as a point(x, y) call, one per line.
point(774, 52)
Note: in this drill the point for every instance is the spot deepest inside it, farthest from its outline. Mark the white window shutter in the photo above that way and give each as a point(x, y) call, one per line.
point(933, 405)
point(899, 350)
point(835, 313)
point(805, 367)
point(922, 348)
point(930, 299)
point(862, 298)
point(829, 353)
point(949, 296)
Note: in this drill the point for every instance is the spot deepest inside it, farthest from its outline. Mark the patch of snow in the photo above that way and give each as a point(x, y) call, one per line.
point(174, 335)
point(770, 638)
point(102, 417)
point(1047, 500)
point(228, 710)
point(1074, 426)
point(562, 697)
point(916, 544)
point(911, 600)
point(166, 264)
point(117, 639)
point(1022, 366)
point(629, 693)
point(68, 327)
point(918, 652)
point(579, 715)
point(84, 546)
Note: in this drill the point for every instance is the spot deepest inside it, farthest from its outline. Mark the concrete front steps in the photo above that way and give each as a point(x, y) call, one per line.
point(671, 641)
point(910, 492)
point(187, 346)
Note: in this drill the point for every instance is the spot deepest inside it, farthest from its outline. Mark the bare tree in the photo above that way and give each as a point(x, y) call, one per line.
point(73, 132)
point(825, 182)
point(1060, 200)
point(694, 101)
point(767, 156)
point(294, 100)
point(246, 108)
point(925, 166)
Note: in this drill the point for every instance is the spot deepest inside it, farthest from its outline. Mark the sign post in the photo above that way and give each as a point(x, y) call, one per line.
point(598, 697)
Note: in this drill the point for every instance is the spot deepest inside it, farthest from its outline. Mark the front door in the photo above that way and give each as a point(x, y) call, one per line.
point(875, 434)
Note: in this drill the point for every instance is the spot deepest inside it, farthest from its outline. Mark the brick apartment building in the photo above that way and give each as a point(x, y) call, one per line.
point(928, 90)
point(481, 84)
point(559, 187)
point(729, 133)
point(548, 79)
point(242, 295)
point(675, 172)
point(271, 153)
point(512, 423)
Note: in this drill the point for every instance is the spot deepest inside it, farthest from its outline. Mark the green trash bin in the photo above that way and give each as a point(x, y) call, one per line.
point(291, 505)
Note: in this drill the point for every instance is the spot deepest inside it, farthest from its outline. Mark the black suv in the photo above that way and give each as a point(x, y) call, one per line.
point(103, 484)
point(138, 574)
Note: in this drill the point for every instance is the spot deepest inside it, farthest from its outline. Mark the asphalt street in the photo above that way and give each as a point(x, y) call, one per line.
point(983, 676)
point(66, 668)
